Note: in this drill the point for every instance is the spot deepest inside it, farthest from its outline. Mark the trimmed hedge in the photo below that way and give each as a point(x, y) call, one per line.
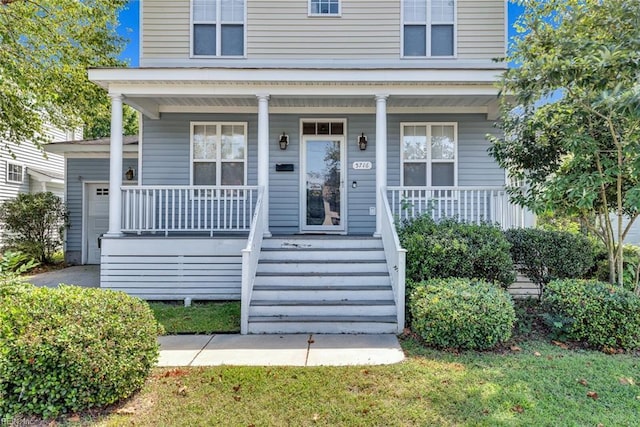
point(461, 313)
point(598, 313)
point(69, 349)
point(448, 248)
point(544, 255)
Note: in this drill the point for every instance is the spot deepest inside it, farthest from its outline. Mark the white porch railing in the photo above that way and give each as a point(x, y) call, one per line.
point(250, 257)
point(187, 208)
point(469, 204)
point(396, 258)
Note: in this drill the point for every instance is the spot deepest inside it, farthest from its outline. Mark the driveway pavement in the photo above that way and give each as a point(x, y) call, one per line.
point(81, 275)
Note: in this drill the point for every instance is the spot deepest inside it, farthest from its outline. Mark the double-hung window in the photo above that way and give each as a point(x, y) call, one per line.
point(429, 154)
point(15, 173)
point(324, 7)
point(218, 153)
point(218, 27)
point(429, 28)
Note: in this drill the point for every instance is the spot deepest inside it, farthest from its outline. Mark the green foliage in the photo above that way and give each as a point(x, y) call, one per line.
point(101, 127)
point(461, 313)
point(543, 255)
point(600, 314)
point(47, 47)
point(34, 224)
point(630, 269)
point(452, 249)
point(17, 262)
point(201, 318)
point(571, 114)
point(69, 349)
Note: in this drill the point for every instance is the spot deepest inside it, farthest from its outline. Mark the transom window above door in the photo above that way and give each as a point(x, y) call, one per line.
point(320, 127)
point(428, 28)
point(218, 153)
point(429, 154)
point(218, 27)
point(324, 7)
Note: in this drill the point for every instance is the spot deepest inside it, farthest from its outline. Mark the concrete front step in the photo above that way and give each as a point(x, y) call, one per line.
point(323, 324)
point(320, 267)
point(322, 242)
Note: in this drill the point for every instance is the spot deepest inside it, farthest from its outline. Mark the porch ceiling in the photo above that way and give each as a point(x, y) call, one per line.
point(167, 103)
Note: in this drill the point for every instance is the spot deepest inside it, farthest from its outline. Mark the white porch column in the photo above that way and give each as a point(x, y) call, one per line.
point(381, 157)
point(115, 167)
point(263, 156)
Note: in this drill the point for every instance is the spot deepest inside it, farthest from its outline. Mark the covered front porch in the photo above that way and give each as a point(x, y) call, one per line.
point(229, 158)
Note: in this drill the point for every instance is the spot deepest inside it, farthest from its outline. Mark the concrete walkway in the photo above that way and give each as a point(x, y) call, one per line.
point(279, 350)
point(81, 275)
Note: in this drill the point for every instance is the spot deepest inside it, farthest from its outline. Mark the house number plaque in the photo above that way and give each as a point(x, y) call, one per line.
point(362, 165)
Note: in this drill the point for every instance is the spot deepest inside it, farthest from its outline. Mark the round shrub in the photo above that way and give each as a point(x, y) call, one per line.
point(545, 255)
point(448, 248)
point(461, 313)
point(598, 313)
point(69, 349)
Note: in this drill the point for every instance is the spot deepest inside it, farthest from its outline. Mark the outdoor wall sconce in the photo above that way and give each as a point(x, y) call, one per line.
point(130, 174)
point(284, 141)
point(362, 142)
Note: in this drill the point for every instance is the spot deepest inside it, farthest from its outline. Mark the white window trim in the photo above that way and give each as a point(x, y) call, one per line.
point(429, 160)
point(22, 170)
point(324, 15)
point(428, 22)
point(218, 159)
point(193, 22)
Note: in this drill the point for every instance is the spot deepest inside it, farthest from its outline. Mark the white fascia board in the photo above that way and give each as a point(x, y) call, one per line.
point(134, 90)
point(108, 76)
point(43, 178)
point(65, 148)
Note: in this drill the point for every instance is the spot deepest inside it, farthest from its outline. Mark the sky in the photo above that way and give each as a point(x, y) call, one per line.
point(130, 19)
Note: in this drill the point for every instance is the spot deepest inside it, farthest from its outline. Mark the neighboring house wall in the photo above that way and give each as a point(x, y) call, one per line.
point(27, 156)
point(166, 150)
point(80, 171)
point(367, 29)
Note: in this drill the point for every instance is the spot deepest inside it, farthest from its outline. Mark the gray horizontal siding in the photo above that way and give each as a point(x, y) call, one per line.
point(481, 29)
point(475, 166)
point(282, 29)
point(166, 159)
point(78, 172)
point(166, 146)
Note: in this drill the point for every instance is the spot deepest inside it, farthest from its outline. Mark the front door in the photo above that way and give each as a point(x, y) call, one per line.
point(323, 195)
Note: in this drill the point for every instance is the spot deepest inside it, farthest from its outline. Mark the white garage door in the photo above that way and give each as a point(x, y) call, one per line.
point(97, 219)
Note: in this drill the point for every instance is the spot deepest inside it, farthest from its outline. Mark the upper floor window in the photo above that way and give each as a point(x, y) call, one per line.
point(218, 153)
point(15, 173)
point(429, 28)
point(324, 7)
point(218, 27)
point(429, 154)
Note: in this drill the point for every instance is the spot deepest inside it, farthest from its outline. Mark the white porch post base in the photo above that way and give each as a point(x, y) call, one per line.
point(263, 156)
point(381, 158)
point(115, 167)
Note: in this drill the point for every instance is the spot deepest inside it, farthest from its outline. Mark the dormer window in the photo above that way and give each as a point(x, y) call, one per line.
point(218, 28)
point(429, 28)
point(324, 7)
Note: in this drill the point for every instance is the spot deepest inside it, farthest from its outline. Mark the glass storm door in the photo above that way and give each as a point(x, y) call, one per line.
point(322, 184)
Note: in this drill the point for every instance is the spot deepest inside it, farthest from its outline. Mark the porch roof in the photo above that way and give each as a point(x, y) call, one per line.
point(156, 90)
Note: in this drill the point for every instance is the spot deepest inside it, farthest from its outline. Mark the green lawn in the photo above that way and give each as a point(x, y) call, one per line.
point(200, 318)
point(539, 384)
